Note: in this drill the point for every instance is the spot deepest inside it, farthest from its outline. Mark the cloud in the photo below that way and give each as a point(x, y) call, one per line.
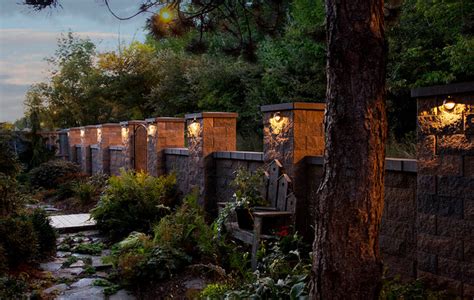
point(11, 101)
point(21, 35)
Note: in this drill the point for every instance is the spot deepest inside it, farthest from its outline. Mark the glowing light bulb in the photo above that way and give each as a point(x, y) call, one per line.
point(277, 117)
point(448, 103)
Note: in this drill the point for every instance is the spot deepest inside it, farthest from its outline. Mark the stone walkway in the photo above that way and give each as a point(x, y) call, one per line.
point(78, 270)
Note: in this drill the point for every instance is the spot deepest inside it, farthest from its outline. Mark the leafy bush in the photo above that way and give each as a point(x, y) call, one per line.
point(26, 238)
point(44, 231)
point(214, 291)
point(13, 288)
point(51, 173)
point(10, 199)
point(139, 261)
point(92, 249)
point(134, 202)
point(186, 229)
point(84, 191)
point(19, 239)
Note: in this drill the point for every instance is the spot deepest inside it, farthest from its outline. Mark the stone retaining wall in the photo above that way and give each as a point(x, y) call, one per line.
point(427, 227)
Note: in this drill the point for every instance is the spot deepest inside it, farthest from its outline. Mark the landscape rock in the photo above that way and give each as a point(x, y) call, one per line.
point(56, 288)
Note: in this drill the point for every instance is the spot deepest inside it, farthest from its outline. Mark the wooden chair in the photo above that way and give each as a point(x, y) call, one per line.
point(282, 205)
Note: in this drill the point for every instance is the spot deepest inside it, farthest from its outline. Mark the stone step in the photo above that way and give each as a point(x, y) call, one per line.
point(72, 223)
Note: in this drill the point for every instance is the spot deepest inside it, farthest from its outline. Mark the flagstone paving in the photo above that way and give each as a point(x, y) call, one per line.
point(78, 275)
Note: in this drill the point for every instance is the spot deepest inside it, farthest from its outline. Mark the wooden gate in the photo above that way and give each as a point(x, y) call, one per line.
point(140, 148)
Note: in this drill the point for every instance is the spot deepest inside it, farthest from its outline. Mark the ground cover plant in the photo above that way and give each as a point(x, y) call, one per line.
point(134, 202)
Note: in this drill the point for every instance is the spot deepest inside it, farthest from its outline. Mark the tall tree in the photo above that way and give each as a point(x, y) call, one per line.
point(346, 261)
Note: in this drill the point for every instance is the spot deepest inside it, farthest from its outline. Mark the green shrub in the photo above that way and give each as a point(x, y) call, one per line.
point(45, 233)
point(26, 238)
point(186, 229)
point(13, 288)
point(85, 191)
point(10, 198)
point(19, 239)
point(214, 291)
point(50, 174)
point(92, 249)
point(134, 202)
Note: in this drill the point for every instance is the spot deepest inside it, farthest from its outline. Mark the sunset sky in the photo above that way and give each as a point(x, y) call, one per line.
point(27, 37)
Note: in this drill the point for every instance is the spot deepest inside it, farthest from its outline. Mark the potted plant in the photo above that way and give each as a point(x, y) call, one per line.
point(247, 186)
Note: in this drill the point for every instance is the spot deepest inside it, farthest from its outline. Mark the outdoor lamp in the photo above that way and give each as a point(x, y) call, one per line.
point(194, 128)
point(83, 133)
point(449, 103)
point(277, 117)
point(151, 129)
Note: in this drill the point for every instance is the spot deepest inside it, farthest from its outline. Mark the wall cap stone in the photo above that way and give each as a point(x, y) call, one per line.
point(293, 106)
point(391, 164)
point(66, 130)
point(455, 88)
point(90, 127)
point(211, 115)
point(176, 151)
point(94, 146)
point(165, 119)
point(116, 148)
point(132, 122)
point(239, 155)
point(108, 125)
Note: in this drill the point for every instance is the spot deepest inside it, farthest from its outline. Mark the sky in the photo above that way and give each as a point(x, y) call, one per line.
point(27, 37)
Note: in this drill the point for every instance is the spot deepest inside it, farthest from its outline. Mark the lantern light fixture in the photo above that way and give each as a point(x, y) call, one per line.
point(194, 128)
point(449, 103)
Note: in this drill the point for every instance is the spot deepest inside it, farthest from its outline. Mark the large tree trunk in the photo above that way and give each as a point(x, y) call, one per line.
point(346, 261)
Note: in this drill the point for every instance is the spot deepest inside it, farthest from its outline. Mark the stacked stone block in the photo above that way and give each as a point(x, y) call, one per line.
point(108, 134)
point(292, 131)
point(63, 144)
point(445, 194)
point(74, 141)
point(398, 232)
point(88, 136)
point(208, 132)
point(116, 159)
point(162, 133)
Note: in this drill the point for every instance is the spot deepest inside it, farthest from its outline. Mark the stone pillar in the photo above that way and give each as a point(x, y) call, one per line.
point(162, 133)
point(445, 187)
point(74, 140)
point(63, 144)
point(129, 139)
point(108, 134)
point(88, 137)
point(292, 131)
point(208, 132)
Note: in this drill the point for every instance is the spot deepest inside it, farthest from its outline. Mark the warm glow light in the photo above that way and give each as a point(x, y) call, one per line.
point(277, 117)
point(194, 128)
point(151, 130)
point(83, 133)
point(124, 134)
point(166, 15)
point(278, 123)
point(99, 135)
point(449, 103)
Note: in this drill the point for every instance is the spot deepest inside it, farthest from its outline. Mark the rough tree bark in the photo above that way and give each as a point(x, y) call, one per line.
point(346, 263)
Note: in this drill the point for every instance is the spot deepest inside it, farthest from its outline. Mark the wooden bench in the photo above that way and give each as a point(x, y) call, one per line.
point(282, 201)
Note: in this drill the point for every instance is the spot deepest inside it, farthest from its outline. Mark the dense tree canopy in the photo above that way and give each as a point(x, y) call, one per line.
point(209, 69)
